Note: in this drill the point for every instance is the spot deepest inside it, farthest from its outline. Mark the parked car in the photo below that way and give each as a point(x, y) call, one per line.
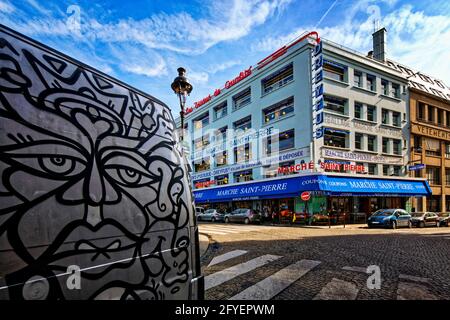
point(243, 215)
point(444, 219)
point(198, 211)
point(425, 219)
point(391, 218)
point(213, 215)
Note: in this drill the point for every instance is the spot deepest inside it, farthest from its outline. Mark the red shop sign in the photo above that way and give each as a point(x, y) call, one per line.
point(305, 196)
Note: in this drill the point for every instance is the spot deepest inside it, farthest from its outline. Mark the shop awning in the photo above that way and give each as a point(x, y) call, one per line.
point(323, 183)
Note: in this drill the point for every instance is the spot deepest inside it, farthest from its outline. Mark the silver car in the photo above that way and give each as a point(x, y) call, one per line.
point(243, 215)
point(211, 215)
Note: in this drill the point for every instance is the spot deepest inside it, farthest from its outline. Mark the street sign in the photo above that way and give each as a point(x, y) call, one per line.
point(416, 167)
point(305, 196)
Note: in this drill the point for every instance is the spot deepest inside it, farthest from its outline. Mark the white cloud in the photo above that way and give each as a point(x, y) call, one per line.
point(198, 77)
point(223, 66)
point(38, 7)
point(6, 7)
point(418, 40)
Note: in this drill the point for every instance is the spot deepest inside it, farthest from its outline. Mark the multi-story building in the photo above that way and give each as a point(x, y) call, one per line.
point(315, 117)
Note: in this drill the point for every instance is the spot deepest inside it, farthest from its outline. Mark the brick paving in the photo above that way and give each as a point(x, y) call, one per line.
point(411, 252)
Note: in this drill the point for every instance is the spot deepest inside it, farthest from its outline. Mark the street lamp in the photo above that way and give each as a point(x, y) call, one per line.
point(182, 88)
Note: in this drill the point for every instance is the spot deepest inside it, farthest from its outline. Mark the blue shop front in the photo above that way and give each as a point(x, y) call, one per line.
point(347, 198)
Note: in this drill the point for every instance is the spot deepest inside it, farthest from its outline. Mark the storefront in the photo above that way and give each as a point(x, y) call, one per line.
point(343, 196)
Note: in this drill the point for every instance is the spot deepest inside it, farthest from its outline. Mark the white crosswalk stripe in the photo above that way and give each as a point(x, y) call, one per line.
point(274, 284)
point(228, 229)
point(226, 256)
point(225, 275)
point(338, 289)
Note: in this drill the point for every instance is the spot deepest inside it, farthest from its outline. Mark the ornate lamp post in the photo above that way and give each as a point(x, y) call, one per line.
point(182, 88)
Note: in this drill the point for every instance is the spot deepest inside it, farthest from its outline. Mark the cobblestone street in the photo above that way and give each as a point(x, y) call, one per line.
point(275, 262)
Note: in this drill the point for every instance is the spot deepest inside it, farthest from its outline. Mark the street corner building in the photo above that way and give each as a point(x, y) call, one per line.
point(320, 118)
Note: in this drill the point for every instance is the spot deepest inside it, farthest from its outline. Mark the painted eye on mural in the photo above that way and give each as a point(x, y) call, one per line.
point(127, 176)
point(57, 165)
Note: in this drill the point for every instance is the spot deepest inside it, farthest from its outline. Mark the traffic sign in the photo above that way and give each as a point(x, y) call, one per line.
point(417, 167)
point(305, 196)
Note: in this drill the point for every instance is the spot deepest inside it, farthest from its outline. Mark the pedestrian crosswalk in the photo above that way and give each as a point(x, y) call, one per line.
point(225, 229)
point(409, 287)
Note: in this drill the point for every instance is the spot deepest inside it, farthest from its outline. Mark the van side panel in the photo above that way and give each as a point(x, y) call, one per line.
point(95, 199)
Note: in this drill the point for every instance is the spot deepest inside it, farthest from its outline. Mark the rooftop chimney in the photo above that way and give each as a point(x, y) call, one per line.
point(379, 44)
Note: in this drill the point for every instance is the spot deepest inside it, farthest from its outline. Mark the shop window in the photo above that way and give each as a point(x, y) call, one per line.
point(242, 99)
point(433, 175)
point(335, 104)
point(397, 146)
point(371, 143)
point(220, 111)
point(385, 87)
point(420, 111)
point(201, 121)
point(372, 169)
point(221, 159)
point(357, 79)
point(242, 153)
point(242, 176)
point(385, 144)
point(396, 119)
point(202, 165)
point(336, 138)
point(384, 116)
point(334, 70)
point(370, 81)
point(358, 141)
point(358, 110)
point(243, 124)
point(278, 79)
point(202, 183)
point(371, 113)
point(434, 203)
point(221, 180)
point(278, 110)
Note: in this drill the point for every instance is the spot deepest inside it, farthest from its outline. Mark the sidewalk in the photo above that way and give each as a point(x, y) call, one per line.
point(338, 226)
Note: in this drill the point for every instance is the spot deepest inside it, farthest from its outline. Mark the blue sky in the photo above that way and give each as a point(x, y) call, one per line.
point(143, 42)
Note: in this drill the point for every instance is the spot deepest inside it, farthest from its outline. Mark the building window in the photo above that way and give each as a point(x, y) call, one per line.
point(385, 145)
point(370, 80)
point(336, 138)
point(201, 142)
point(221, 180)
point(202, 121)
point(358, 141)
point(371, 143)
point(242, 176)
point(358, 110)
point(220, 135)
point(432, 147)
point(221, 158)
point(242, 153)
point(417, 147)
point(243, 124)
point(286, 140)
point(202, 165)
point(396, 90)
point(433, 175)
point(447, 176)
point(335, 104)
point(447, 118)
point(396, 119)
point(279, 110)
point(220, 111)
point(397, 146)
point(396, 171)
point(334, 70)
point(430, 114)
point(284, 165)
point(447, 150)
point(357, 79)
point(242, 99)
point(278, 79)
point(385, 87)
point(384, 116)
point(420, 111)
point(372, 169)
point(371, 113)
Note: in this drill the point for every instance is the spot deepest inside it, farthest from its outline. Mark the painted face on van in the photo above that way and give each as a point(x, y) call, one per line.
point(89, 174)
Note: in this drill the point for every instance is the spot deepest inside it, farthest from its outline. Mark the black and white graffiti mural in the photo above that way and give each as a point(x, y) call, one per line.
point(91, 176)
